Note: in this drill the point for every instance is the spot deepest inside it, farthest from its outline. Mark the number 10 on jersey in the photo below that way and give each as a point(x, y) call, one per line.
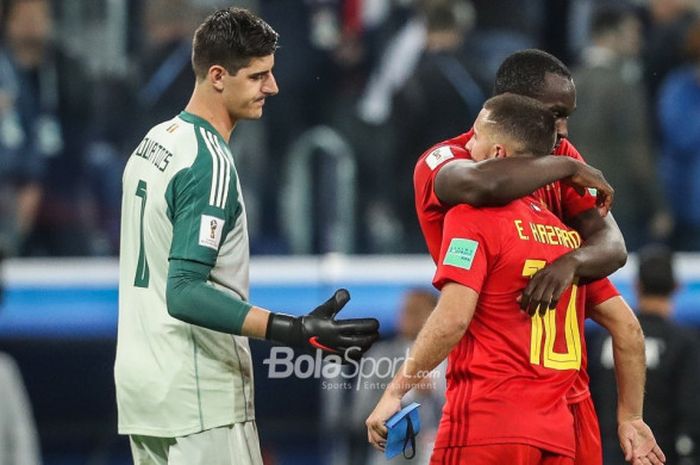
point(547, 325)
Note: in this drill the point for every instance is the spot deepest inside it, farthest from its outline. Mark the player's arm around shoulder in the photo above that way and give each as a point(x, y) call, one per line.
point(498, 181)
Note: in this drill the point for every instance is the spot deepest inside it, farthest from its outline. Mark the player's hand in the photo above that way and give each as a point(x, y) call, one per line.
point(547, 285)
point(349, 339)
point(588, 177)
point(388, 405)
point(639, 444)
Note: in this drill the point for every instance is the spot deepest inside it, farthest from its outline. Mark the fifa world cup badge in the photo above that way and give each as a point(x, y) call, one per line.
point(213, 226)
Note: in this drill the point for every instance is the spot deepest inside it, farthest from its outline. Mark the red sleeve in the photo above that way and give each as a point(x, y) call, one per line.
point(428, 166)
point(573, 203)
point(465, 256)
point(599, 291)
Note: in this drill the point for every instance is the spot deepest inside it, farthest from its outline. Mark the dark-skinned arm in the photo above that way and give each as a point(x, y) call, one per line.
point(498, 181)
point(602, 252)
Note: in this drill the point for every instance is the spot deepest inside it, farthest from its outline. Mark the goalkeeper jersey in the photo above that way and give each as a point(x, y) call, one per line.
point(181, 200)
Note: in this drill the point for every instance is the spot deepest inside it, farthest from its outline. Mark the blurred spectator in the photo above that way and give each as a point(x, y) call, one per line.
point(51, 102)
point(18, 437)
point(22, 162)
point(679, 117)
point(670, 22)
point(611, 127)
point(673, 368)
point(497, 35)
point(165, 72)
point(386, 357)
point(438, 100)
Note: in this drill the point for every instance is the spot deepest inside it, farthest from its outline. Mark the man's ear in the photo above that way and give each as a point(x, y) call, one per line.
point(216, 77)
point(500, 150)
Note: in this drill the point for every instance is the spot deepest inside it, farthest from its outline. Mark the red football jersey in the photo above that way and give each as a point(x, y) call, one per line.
point(508, 376)
point(559, 198)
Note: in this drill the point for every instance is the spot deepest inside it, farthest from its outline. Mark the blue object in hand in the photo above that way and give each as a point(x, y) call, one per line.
point(403, 427)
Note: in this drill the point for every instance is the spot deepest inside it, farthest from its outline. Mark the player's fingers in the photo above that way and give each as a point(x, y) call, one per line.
point(627, 448)
point(539, 298)
point(373, 434)
point(358, 326)
point(531, 294)
point(524, 301)
point(604, 202)
point(658, 456)
point(654, 460)
point(556, 295)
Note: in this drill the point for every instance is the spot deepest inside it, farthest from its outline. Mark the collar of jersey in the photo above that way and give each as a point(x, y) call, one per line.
point(199, 121)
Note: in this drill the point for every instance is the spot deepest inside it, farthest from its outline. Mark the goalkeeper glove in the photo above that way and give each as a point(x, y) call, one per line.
point(319, 330)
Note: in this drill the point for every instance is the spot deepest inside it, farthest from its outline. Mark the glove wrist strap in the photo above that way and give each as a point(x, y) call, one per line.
point(283, 329)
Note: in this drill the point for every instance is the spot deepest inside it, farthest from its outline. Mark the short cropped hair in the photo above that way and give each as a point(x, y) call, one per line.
point(523, 72)
point(656, 274)
point(524, 120)
point(231, 37)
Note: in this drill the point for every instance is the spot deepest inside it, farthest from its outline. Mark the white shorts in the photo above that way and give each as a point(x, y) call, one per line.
point(235, 444)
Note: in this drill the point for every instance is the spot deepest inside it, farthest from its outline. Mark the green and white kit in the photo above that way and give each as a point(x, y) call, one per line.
point(181, 201)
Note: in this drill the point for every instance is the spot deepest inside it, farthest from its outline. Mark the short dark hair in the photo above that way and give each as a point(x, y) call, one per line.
point(608, 18)
point(656, 275)
point(525, 120)
point(231, 37)
point(523, 72)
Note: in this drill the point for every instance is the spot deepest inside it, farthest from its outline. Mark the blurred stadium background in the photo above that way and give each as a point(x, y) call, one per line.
point(365, 86)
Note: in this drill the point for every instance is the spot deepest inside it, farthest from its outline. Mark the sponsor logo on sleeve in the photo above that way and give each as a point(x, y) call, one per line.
point(438, 156)
point(461, 253)
point(210, 230)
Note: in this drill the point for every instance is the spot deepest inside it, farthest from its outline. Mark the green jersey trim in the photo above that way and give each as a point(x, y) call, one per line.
point(203, 200)
point(199, 121)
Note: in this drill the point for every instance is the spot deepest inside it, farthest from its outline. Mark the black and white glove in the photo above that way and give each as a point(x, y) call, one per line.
point(319, 329)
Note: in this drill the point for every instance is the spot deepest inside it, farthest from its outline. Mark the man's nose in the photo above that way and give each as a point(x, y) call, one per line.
point(270, 87)
point(562, 126)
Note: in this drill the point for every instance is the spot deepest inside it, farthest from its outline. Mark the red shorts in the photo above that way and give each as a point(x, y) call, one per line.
point(587, 432)
point(497, 454)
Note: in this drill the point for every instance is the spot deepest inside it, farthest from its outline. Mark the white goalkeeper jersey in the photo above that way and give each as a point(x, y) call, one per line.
point(181, 200)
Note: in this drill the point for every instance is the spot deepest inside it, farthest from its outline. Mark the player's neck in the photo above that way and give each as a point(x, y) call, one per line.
point(208, 107)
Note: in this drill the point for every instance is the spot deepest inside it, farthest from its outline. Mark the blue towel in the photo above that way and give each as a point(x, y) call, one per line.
point(403, 427)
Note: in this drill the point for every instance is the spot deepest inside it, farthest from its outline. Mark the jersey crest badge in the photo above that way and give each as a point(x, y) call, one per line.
point(210, 229)
point(438, 156)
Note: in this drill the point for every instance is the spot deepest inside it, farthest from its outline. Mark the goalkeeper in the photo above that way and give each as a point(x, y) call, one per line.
point(183, 371)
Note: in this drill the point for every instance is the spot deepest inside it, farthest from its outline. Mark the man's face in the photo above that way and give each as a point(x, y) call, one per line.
point(245, 92)
point(29, 26)
point(559, 95)
point(630, 37)
point(481, 145)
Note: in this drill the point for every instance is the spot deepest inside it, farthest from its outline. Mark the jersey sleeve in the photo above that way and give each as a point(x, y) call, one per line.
point(465, 254)
point(203, 206)
point(599, 291)
point(427, 168)
point(573, 203)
